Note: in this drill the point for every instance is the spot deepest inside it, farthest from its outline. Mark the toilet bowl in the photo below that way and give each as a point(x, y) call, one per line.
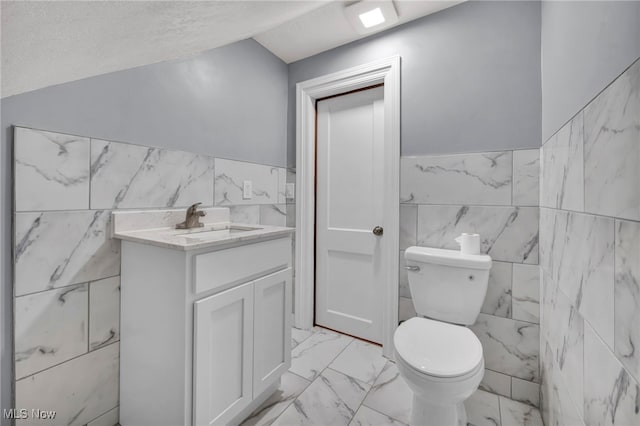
point(437, 355)
point(443, 365)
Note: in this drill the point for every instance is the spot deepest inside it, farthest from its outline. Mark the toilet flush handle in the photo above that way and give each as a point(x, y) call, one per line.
point(412, 268)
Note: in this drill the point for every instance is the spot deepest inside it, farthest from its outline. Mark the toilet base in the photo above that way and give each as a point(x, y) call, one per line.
point(424, 413)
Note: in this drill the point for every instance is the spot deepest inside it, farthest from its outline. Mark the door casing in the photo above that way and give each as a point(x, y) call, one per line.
point(385, 71)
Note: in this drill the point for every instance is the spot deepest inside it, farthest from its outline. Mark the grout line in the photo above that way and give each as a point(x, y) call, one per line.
point(66, 361)
point(469, 205)
point(305, 339)
point(310, 382)
point(370, 386)
point(64, 286)
point(590, 214)
point(102, 414)
point(288, 404)
point(89, 318)
point(380, 412)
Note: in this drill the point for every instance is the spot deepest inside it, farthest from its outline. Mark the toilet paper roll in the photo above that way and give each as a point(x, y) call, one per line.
point(469, 243)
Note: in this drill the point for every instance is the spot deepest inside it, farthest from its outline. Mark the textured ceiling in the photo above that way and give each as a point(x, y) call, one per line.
point(44, 43)
point(51, 42)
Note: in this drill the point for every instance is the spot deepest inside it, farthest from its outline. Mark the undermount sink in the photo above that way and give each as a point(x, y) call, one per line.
point(216, 232)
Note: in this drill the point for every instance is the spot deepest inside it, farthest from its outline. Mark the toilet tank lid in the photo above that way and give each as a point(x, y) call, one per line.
point(447, 257)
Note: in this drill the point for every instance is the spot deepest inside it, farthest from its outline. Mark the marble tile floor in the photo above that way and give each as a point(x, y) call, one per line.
point(338, 380)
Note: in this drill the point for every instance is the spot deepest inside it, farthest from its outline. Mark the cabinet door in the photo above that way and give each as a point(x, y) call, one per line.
point(272, 329)
point(223, 351)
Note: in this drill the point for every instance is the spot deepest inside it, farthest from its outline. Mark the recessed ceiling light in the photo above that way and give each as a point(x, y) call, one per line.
point(367, 16)
point(371, 18)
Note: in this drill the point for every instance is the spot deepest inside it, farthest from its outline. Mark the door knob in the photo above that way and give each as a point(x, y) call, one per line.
point(378, 230)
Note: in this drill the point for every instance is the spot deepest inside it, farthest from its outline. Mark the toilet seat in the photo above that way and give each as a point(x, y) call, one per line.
point(438, 349)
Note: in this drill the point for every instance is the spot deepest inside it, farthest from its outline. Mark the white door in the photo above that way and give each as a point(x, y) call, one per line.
point(349, 205)
point(223, 347)
point(272, 329)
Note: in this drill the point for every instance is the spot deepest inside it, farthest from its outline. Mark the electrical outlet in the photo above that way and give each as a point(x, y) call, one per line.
point(290, 190)
point(247, 190)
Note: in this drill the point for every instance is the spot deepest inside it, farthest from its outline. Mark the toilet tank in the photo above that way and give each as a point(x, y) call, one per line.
point(447, 285)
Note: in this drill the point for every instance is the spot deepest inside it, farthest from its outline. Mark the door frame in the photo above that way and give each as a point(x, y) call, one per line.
point(387, 72)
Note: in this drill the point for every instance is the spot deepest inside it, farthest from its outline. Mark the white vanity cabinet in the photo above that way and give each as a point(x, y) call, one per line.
point(205, 334)
point(241, 346)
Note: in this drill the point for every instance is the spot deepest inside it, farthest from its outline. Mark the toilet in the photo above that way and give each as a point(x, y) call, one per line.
point(437, 355)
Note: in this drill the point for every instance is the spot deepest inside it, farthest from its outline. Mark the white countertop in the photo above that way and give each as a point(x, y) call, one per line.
point(188, 239)
point(157, 228)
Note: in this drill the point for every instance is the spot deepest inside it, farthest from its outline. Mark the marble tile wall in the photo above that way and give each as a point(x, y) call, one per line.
point(67, 269)
point(496, 195)
point(590, 262)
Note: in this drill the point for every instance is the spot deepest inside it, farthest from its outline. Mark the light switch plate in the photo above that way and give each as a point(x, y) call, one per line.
point(290, 190)
point(247, 189)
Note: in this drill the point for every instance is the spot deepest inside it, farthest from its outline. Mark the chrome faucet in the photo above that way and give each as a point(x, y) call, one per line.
point(193, 218)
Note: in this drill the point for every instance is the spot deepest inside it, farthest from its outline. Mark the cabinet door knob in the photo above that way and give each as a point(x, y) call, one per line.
point(378, 230)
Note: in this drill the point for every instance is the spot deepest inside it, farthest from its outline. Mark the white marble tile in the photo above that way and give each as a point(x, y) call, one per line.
point(406, 309)
point(290, 387)
point(558, 406)
point(405, 290)
point(273, 214)
point(298, 336)
point(282, 185)
point(498, 299)
point(230, 176)
point(525, 391)
point(51, 171)
point(360, 360)
point(390, 395)
point(104, 312)
point(332, 399)
point(368, 417)
point(479, 178)
point(110, 418)
point(408, 225)
point(483, 409)
point(313, 355)
point(497, 383)
point(564, 330)
point(553, 225)
point(245, 214)
point(79, 390)
point(55, 249)
point(50, 328)
point(627, 295)
point(133, 176)
point(526, 177)
point(585, 261)
point(507, 233)
point(578, 257)
point(510, 347)
point(611, 148)
point(526, 292)
point(514, 413)
point(611, 397)
point(562, 183)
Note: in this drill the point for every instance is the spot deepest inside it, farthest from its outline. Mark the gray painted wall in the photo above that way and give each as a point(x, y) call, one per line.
point(585, 45)
point(229, 102)
point(470, 77)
